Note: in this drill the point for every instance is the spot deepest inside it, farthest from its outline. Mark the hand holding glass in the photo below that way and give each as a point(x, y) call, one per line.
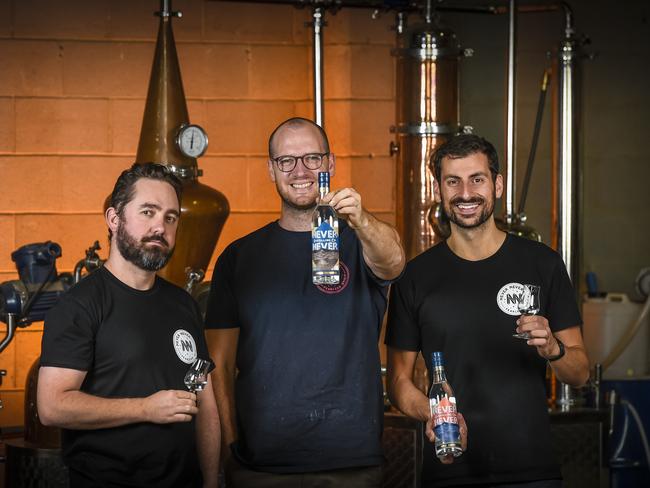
point(529, 305)
point(197, 376)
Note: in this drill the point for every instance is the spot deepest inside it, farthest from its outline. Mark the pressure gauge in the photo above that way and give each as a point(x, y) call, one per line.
point(192, 140)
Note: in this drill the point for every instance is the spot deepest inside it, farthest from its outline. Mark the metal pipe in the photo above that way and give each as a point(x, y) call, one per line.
point(319, 105)
point(567, 226)
point(11, 329)
point(510, 114)
point(533, 144)
point(428, 12)
point(568, 193)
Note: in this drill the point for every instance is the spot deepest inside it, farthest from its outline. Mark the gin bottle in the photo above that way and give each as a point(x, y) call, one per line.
point(324, 238)
point(443, 411)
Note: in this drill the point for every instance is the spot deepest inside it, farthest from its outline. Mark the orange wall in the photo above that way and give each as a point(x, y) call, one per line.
point(72, 89)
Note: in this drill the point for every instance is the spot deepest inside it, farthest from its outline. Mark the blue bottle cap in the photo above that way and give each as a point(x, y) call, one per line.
point(436, 359)
point(324, 178)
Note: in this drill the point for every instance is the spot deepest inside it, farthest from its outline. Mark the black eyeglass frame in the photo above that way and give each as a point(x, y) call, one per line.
point(299, 158)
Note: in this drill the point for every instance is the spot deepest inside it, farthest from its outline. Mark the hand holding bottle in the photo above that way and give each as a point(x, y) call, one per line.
point(445, 421)
point(347, 203)
point(428, 431)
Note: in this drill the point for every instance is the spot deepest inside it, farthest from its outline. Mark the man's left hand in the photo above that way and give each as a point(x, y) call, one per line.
point(347, 203)
point(541, 336)
point(462, 426)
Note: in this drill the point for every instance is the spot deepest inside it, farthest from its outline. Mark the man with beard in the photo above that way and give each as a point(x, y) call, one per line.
point(116, 349)
point(460, 297)
point(305, 408)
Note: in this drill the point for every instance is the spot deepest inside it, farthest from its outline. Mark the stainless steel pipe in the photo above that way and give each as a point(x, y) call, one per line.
point(567, 152)
point(511, 127)
point(317, 56)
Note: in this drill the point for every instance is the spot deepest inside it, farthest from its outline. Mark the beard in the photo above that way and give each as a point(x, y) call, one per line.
point(486, 213)
point(137, 253)
point(293, 205)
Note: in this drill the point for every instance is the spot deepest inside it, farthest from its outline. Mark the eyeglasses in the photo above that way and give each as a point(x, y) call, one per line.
point(286, 164)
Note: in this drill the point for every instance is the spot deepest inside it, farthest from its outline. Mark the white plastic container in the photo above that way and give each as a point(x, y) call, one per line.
point(606, 320)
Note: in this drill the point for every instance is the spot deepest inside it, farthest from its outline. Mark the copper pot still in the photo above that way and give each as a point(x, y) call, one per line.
point(427, 114)
point(204, 210)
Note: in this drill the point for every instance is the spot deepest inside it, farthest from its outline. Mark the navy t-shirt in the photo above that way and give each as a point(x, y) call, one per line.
point(467, 310)
point(131, 343)
point(308, 393)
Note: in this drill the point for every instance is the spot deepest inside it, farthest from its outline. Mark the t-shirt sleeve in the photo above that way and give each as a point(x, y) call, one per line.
point(222, 312)
point(68, 336)
point(402, 329)
point(562, 309)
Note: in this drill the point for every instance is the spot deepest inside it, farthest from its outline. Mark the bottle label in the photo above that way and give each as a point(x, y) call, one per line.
point(445, 419)
point(324, 238)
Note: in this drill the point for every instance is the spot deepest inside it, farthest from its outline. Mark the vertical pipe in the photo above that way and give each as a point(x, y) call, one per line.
point(567, 154)
point(319, 115)
point(567, 168)
point(510, 113)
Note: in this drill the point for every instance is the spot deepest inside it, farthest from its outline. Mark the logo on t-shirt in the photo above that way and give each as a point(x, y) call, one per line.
point(184, 346)
point(509, 297)
point(342, 284)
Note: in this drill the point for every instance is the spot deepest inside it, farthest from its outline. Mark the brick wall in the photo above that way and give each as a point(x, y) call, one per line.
point(73, 84)
point(74, 75)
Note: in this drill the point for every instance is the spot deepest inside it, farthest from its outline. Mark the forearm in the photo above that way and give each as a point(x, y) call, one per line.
point(409, 399)
point(224, 392)
point(381, 247)
point(79, 410)
point(208, 438)
point(573, 368)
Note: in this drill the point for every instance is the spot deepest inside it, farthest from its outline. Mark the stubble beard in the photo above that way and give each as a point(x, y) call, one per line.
point(295, 206)
point(486, 213)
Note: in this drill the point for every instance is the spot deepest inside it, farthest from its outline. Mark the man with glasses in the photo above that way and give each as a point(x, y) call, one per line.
point(305, 408)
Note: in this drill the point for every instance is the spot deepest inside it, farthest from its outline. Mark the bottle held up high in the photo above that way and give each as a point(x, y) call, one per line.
point(443, 411)
point(324, 238)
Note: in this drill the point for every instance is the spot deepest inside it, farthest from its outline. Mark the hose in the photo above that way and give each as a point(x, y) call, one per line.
point(639, 424)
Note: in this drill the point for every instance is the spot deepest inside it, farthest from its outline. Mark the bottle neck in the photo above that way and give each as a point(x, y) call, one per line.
point(438, 374)
point(323, 190)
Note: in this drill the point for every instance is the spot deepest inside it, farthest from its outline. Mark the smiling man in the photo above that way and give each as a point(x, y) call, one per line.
point(116, 349)
point(460, 297)
point(305, 408)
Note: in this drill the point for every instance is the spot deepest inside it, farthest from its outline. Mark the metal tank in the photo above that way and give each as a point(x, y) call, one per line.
point(204, 210)
point(427, 114)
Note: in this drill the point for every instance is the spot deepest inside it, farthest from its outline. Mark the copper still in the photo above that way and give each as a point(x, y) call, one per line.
point(427, 113)
point(204, 210)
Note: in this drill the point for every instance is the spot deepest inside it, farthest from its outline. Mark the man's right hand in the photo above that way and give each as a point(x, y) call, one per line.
point(169, 406)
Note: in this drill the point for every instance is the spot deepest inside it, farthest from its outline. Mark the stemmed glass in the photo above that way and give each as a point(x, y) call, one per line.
point(197, 376)
point(529, 305)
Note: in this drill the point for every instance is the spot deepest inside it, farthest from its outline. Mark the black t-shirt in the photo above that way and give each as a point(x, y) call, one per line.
point(467, 310)
point(132, 344)
point(308, 392)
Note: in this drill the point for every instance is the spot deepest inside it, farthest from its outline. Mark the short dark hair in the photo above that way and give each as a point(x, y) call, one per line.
point(295, 122)
point(124, 189)
point(463, 145)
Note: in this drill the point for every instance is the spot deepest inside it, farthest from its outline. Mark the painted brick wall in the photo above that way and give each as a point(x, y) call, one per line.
point(72, 92)
point(74, 75)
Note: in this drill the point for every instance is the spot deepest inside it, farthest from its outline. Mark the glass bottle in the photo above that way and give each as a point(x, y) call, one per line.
point(324, 238)
point(442, 403)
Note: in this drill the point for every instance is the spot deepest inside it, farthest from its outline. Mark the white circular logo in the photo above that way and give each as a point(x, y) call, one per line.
point(509, 297)
point(185, 346)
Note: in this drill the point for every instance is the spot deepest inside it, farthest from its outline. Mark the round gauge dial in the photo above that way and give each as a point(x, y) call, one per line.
point(192, 140)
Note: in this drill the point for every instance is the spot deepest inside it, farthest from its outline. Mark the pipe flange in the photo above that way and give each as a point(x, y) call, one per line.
point(185, 172)
point(425, 128)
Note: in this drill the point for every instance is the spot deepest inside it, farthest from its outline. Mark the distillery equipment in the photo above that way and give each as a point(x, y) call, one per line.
point(427, 114)
point(168, 138)
point(35, 459)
